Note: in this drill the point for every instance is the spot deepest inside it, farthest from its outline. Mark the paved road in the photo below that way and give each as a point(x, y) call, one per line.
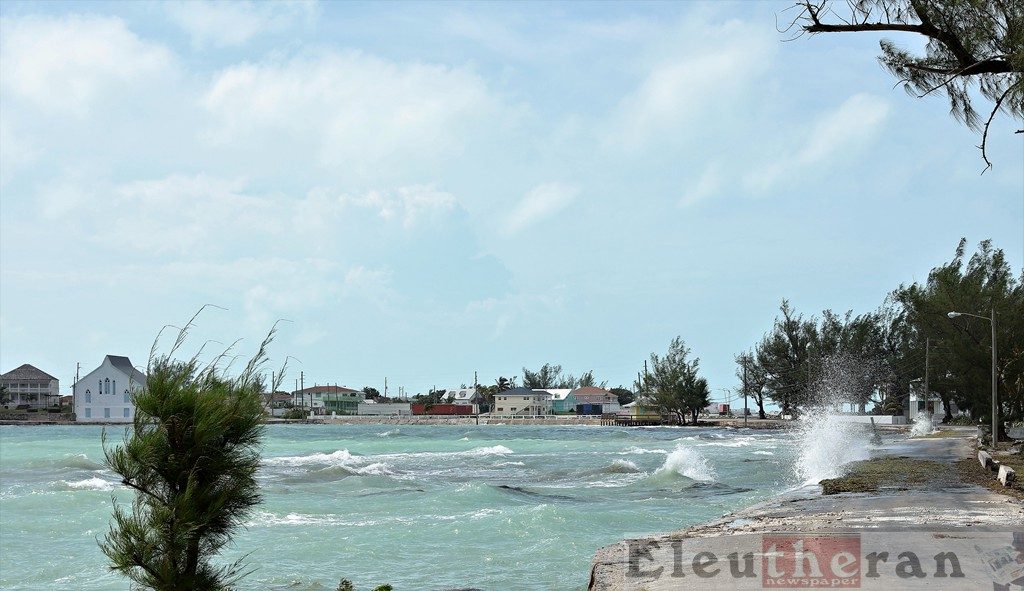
point(924, 519)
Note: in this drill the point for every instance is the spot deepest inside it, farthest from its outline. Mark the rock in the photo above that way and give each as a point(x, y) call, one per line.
point(1006, 475)
point(985, 459)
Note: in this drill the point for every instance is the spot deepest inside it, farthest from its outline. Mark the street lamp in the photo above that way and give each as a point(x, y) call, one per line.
point(995, 398)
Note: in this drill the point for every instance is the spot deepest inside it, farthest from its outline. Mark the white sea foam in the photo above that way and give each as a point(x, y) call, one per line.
point(341, 456)
point(391, 433)
point(640, 450)
point(622, 467)
point(494, 450)
point(762, 452)
point(827, 443)
point(688, 462)
point(923, 425)
point(93, 483)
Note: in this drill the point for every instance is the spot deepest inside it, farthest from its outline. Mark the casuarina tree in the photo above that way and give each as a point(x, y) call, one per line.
point(674, 384)
point(972, 49)
point(190, 456)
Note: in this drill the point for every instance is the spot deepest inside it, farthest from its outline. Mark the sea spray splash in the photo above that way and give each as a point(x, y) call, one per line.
point(688, 462)
point(923, 425)
point(826, 443)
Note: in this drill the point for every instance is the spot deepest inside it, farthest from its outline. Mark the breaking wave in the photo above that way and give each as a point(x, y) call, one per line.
point(94, 483)
point(827, 443)
point(923, 426)
point(494, 450)
point(342, 456)
point(688, 462)
point(72, 461)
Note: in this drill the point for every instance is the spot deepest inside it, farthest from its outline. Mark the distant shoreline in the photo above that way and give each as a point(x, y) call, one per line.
point(553, 420)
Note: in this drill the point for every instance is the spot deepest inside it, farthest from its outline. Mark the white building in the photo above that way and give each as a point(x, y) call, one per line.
point(464, 397)
point(522, 402)
point(104, 394)
point(31, 386)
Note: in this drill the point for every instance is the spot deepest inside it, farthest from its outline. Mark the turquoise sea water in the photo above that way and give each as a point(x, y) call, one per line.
point(426, 507)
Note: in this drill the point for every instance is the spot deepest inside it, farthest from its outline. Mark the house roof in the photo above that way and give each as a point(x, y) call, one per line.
point(522, 392)
point(27, 372)
point(591, 390)
point(591, 395)
point(558, 394)
point(461, 394)
point(125, 365)
point(336, 389)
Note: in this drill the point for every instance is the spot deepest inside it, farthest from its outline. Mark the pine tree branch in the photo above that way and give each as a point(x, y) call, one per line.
point(984, 133)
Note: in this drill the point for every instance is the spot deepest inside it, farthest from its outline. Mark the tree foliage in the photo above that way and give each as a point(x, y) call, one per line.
point(961, 348)
point(674, 384)
point(551, 376)
point(191, 457)
point(874, 357)
point(972, 46)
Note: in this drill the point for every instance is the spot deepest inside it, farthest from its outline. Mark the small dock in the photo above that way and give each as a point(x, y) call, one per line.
point(648, 420)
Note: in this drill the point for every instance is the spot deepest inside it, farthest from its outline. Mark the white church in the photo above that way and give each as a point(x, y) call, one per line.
point(104, 394)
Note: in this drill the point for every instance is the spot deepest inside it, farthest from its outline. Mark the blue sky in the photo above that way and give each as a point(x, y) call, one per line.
point(429, 190)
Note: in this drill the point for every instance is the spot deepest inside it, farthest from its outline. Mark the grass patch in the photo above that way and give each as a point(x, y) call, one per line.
point(943, 434)
point(890, 472)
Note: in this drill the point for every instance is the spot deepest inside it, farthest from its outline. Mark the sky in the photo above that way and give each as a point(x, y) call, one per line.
point(428, 192)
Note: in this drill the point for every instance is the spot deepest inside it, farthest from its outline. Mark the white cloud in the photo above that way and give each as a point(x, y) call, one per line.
point(709, 182)
point(412, 205)
point(202, 214)
point(349, 111)
point(66, 65)
point(717, 66)
point(836, 133)
point(224, 24)
point(540, 202)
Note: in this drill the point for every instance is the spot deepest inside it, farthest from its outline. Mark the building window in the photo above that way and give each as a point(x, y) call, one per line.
point(113, 387)
point(106, 413)
point(88, 398)
point(127, 398)
point(88, 413)
point(106, 386)
point(126, 411)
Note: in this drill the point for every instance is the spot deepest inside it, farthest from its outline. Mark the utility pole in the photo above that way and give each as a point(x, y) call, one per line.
point(745, 412)
point(74, 389)
point(995, 385)
point(385, 386)
point(302, 386)
point(476, 381)
point(927, 353)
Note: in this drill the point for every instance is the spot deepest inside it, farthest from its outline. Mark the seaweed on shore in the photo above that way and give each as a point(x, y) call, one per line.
point(899, 473)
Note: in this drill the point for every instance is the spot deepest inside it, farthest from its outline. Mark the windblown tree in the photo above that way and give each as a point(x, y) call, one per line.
point(550, 376)
point(961, 348)
point(784, 356)
point(191, 457)
point(973, 47)
point(674, 385)
point(754, 380)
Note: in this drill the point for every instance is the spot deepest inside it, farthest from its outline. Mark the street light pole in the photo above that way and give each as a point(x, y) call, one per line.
point(995, 380)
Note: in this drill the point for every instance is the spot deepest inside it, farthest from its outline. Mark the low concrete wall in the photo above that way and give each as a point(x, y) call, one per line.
point(879, 419)
point(36, 417)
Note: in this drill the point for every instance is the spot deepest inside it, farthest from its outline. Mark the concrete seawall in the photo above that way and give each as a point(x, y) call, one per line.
point(906, 514)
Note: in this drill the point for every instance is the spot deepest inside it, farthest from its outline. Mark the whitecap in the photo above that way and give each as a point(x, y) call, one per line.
point(94, 483)
point(341, 456)
point(688, 462)
point(494, 450)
